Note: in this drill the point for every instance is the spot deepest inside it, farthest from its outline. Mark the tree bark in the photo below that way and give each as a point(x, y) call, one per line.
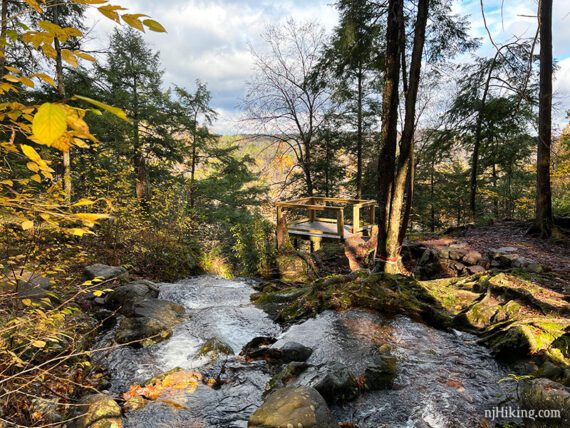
point(61, 92)
point(359, 137)
point(544, 217)
point(141, 177)
point(392, 245)
point(389, 130)
point(3, 31)
point(477, 142)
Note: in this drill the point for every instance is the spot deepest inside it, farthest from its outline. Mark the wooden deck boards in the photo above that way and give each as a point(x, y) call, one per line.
point(326, 229)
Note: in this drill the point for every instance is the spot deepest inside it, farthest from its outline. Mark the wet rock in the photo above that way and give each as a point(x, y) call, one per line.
point(105, 272)
point(295, 267)
point(429, 265)
point(258, 346)
point(545, 394)
point(97, 411)
point(472, 258)
point(381, 374)
point(144, 331)
point(293, 407)
point(168, 313)
point(215, 348)
point(125, 295)
point(293, 351)
point(335, 382)
point(286, 375)
point(106, 318)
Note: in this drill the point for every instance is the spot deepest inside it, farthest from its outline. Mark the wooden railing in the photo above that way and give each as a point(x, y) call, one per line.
point(315, 225)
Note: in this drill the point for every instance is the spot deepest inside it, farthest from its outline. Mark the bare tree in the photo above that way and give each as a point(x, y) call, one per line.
point(283, 101)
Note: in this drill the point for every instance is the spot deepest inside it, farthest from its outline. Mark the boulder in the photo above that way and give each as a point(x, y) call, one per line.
point(143, 331)
point(472, 258)
point(471, 270)
point(507, 260)
point(168, 313)
point(97, 411)
point(545, 394)
point(293, 351)
point(295, 267)
point(380, 374)
point(259, 348)
point(480, 314)
point(335, 382)
point(126, 295)
point(105, 272)
point(106, 318)
point(508, 311)
point(456, 254)
point(293, 407)
point(215, 347)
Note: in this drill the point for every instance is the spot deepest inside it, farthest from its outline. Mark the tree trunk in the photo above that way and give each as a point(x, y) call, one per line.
point(307, 168)
point(359, 137)
point(477, 142)
point(406, 142)
point(409, 198)
point(544, 217)
point(142, 187)
point(389, 131)
point(193, 167)
point(432, 196)
point(61, 93)
point(3, 37)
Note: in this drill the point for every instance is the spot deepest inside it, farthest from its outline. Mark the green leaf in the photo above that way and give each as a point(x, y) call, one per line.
point(49, 123)
point(115, 110)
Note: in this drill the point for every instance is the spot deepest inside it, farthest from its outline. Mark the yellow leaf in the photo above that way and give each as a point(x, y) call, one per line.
point(49, 123)
point(31, 153)
point(26, 302)
point(46, 78)
point(28, 82)
point(83, 202)
point(110, 12)
point(36, 178)
point(97, 293)
point(34, 4)
point(133, 20)
point(85, 56)
point(69, 57)
point(32, 166)
point(154, 26)
point(80, 143)
point(38, 343)
point(115, 110)
point(28, 224)
point(7, 182)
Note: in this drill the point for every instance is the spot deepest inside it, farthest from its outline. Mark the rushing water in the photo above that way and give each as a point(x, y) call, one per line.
point(443, 379)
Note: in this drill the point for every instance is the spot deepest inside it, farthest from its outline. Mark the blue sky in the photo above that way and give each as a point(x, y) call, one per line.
point(210, 39)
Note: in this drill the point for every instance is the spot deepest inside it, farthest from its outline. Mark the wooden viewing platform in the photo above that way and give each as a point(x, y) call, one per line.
point(316, 224)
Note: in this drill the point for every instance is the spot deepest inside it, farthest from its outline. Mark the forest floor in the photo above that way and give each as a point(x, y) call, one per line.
point(553, 256)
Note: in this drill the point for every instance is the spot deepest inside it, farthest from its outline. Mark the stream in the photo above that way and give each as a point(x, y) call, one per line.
point(444, 379)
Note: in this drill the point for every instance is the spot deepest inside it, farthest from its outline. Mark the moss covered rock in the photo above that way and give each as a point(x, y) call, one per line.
point(545, 394)
point(97, 411)
point(293, 266)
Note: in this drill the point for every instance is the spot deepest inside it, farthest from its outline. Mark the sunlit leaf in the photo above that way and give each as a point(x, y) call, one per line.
point(115, 110)
point(49, 123)
point(28, 224)
point(38, 343)
point(153, 25)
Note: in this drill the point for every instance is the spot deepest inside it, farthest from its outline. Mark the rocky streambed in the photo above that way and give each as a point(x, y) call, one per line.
point(372, 370)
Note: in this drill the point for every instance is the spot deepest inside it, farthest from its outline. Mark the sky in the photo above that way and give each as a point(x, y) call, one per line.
point(211, 40)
